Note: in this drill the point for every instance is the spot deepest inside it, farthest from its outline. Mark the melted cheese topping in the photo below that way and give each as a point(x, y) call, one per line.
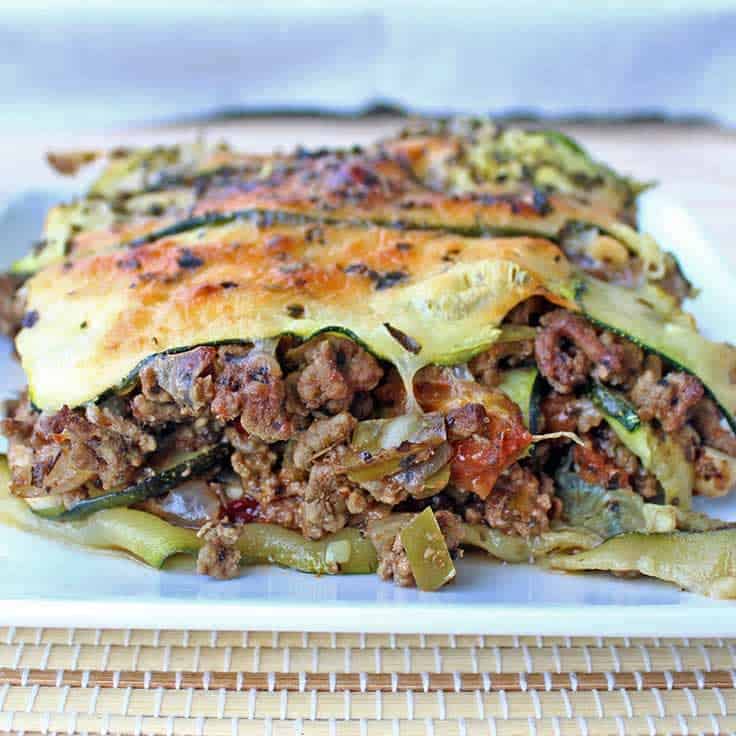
point(392, 185)
point(101, 316)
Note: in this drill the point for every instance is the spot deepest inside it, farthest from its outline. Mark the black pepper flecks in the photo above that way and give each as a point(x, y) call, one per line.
point(187, 259)
point(29, 319)
point(228, 285)
point(356, 268)
point(388, 279)
point(315, 234)
point(541, 202)
point(295, 311)
point(402, 246)
point(131, 263)
point(294, 267)
point(384, 280)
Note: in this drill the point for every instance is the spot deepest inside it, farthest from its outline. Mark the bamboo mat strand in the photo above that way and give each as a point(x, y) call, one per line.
point(303, 684)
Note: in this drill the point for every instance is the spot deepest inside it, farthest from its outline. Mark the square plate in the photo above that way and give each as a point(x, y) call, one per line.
point(44, 583)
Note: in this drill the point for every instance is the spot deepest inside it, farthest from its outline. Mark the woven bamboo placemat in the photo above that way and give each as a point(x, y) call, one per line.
point(194, 682)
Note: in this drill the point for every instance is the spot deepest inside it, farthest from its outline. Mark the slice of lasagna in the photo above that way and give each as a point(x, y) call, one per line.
point(368, 360)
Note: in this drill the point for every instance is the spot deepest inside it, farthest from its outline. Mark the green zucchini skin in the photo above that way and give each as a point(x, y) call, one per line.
point(157, 485)
point(660, 455)
point(535, 404)
point(615, 406)
point(620, 311)
point(129, 381)
point(522, 386)
point(269, 217)
point(606, 512)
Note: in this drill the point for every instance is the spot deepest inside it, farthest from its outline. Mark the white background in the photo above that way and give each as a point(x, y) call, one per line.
point(71, 64)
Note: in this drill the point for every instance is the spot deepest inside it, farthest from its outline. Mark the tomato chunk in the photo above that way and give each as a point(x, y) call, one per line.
point(480, 459)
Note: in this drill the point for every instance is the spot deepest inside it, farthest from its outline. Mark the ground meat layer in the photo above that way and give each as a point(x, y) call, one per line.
point(288, 412)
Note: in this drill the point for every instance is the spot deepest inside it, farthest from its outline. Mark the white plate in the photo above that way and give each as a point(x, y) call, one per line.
point(43, 583)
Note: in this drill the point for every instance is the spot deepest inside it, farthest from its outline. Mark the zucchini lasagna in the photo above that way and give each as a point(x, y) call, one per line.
point(368, 360)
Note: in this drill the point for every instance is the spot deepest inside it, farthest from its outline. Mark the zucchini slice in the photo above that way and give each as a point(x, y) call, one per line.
point(94, 331)
point(62, 223)
point(510, 548)
point(483, 222)
point(627, 313)
point(664, 458)
point(153, 540)
point(523, 386)
point(702, 562)
point(174, 472)
point(49, 507)
point(473, 151)
point(609, 512)
point(659, 453)
point(615, 406)
point(427, 551)
point(517, 183)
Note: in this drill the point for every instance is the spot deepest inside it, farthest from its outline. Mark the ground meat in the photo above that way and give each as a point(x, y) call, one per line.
point(468, 420)
point(250, 385)
point(520, 502)
point(321, 435)
point(23, 459)
point(599, 469)
point(486, 367)
point(568, 350)
point(528, 312)
point(689, 441)
point(110, 418)
point(604, 461)
point(325, 496)
point(644, 483)
point(451, 527)
point(11, 305)
point(193, 434)
point(254, 461)
point(372, 509)
point(393, 563)
point(565, 413)
point(391, 393)
point(287, 512)
point(219, 557)
point(59, 452)
point(362, 405)
point(713, 474)
point(385, 491)
point(231, 383)
point(277, 492)
point(708, 422)
point(619, 453)
point(335, 369)
point(669, 399)
point(632, 359)
point(156, 413)
point(474, 512)
point(183, 378)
